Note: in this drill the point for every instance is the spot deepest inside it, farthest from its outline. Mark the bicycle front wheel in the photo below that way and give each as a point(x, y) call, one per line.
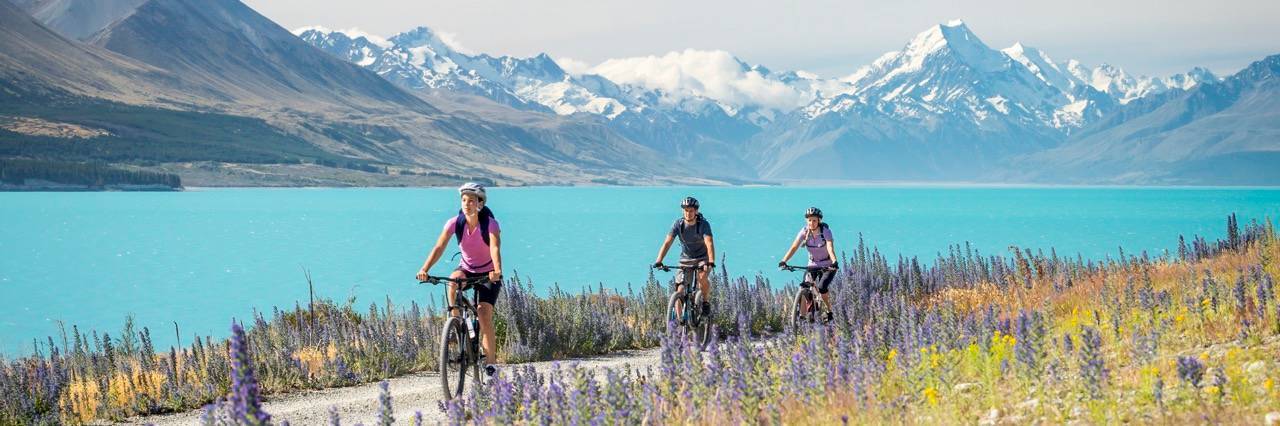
point(799, 315)
point(701, 324)
point(453, 358)
point(674, 316)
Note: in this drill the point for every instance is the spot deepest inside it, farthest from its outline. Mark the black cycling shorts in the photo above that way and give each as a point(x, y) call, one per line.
point(822, 278)
point(488, 292)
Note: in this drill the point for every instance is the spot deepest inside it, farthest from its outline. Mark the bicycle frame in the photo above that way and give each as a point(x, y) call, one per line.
point(686, 295)
point(807, 290)
point(466, 324)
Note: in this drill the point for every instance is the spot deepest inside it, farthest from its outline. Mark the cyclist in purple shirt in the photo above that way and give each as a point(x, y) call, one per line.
point(816, 237)
point(479, 240)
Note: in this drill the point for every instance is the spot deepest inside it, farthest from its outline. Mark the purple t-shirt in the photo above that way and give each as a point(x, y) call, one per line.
point(817, 246)
point(475, 254)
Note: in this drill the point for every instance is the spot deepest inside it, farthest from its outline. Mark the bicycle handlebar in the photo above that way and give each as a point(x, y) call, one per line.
point(793, 268)
point(466, 283)
point(668, 268)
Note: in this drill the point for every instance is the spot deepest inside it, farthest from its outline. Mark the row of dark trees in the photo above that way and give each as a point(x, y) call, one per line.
point(97, 175)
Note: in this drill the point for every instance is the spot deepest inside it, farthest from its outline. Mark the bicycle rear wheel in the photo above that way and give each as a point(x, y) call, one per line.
point(453, 358)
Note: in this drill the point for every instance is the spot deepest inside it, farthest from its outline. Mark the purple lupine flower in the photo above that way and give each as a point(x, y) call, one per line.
point(1092, 367)
point(334, 418)
point(385, 417)
point(1190, 370)
point(1157, 392)
point(245, 401)
point(1029, 338)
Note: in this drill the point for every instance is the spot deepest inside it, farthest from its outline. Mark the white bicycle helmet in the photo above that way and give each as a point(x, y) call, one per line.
point(473, 188)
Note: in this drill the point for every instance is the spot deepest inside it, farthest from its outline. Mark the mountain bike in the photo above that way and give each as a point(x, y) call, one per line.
point(460, 337)
point(807, 304)
point(689, 298)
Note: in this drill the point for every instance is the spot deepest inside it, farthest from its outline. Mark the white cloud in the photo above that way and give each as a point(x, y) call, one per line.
point(352, 33)
point(355, 33)
point(714, 74)
point(451, 40)
point(317, 28)
point(573, 66)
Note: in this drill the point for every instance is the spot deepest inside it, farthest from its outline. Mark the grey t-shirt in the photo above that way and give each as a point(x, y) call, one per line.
point(693, 247)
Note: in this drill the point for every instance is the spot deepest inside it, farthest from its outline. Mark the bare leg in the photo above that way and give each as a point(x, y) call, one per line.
point(489, 338)
point(453, 292)
point(679, 306)
point(705, 283)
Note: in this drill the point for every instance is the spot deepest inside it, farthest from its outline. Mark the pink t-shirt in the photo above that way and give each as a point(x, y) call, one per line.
point(475, 254)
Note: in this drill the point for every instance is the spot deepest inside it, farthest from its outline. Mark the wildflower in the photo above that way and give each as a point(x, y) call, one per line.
point(385, 417)
point(1157, 392)
point(245, 402)
point(1092, 367)
point(931, 395)
point(1190, 370)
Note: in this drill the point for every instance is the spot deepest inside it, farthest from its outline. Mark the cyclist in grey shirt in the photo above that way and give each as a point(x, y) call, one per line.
point(696, 247)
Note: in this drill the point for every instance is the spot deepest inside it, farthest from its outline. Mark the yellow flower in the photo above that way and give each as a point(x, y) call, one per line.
point(1212, 390)
point(1269, 384)
point(931, 395)
point(1204, 356)
point(1204, 303)
point(1178, 319)
point(893, 354)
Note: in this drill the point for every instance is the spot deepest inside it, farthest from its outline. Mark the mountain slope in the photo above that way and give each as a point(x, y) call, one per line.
point(693, 130)
point(220, 56)
point(224, 50)
point(1226, 132)
point(78, 19)
point(36, 59)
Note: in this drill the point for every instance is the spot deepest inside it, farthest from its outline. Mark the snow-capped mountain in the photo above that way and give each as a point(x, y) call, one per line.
point(1125, 88)
point(944, 106)
point(948, 71)
point(946, 97)
point(685, 123)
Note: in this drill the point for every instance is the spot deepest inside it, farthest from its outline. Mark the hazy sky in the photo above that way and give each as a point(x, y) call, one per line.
point(830, 38)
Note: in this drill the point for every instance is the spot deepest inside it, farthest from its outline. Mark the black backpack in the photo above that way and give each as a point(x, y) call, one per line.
point(822, 226)
point(459, 225)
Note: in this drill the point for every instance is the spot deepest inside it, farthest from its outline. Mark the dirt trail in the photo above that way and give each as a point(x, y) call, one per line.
point(414, 392)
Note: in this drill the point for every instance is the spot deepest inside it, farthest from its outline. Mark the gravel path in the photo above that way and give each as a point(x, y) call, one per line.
point(414, 392)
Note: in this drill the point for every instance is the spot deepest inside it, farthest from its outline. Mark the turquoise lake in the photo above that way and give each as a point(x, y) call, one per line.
point(204, 256)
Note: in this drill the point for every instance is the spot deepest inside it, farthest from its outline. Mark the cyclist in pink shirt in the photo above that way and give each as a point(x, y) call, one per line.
point(479, 240)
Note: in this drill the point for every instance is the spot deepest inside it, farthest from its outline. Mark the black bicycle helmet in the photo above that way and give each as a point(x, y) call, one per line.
point(813, 211)
point(689, 202)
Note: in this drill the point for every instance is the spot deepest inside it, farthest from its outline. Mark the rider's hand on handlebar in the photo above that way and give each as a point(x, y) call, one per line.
point(422, 275)
point(495, 276)
point(657, 264)
point(834, 265)
point(782, 264)
point(709, 266)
